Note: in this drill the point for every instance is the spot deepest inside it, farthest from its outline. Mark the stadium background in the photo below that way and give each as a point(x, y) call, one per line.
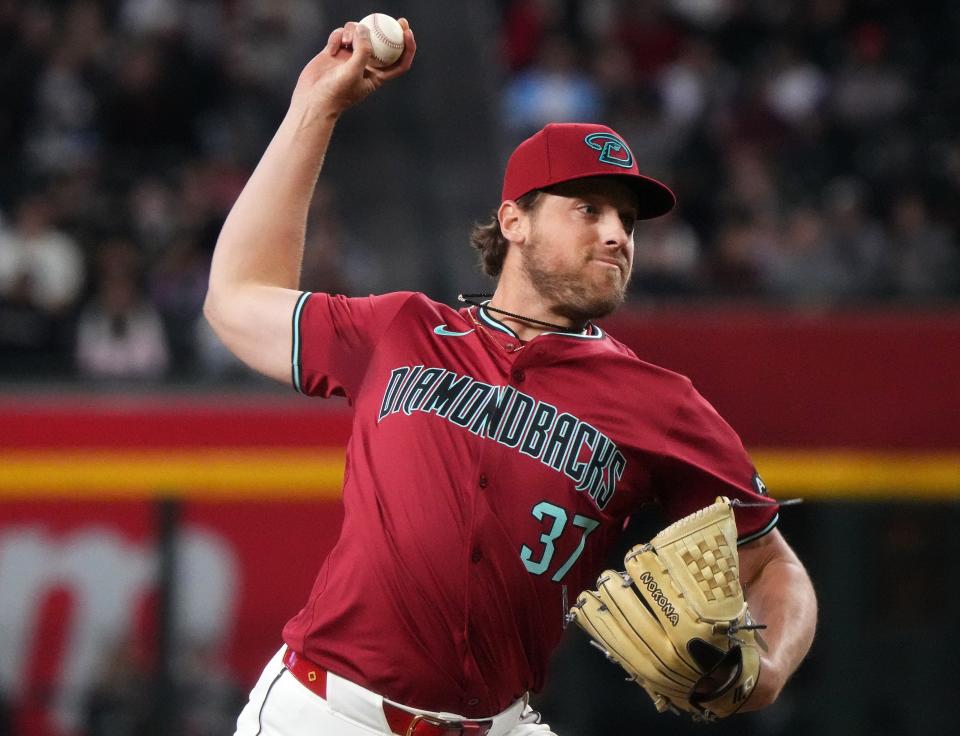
point(162, 511)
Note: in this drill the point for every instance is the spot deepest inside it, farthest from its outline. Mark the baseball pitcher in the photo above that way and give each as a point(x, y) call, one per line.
point(497, 451)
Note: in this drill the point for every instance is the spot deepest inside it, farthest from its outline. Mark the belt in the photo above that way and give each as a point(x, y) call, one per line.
point(402, 722)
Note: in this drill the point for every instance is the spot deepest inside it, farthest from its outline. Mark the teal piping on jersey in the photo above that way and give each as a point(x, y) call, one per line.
point(595, 332)
point(295, 353)
point(756, 535)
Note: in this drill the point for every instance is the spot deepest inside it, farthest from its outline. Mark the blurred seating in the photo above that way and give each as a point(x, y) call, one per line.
point(811, 145)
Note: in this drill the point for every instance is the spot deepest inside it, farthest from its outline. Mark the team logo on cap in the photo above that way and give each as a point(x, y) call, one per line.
point(612, 150)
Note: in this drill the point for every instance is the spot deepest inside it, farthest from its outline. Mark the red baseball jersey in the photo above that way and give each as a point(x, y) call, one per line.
point(485, 481)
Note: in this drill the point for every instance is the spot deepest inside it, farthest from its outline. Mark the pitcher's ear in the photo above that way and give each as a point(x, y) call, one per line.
point(514, 222)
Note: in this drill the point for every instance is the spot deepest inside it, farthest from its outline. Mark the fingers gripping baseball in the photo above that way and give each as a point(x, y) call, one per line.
point(342, 74)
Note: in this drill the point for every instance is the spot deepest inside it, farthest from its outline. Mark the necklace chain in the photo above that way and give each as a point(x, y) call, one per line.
point(471, 299)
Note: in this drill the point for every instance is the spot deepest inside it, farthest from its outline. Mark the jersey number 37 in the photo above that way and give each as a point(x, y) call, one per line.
point(538, 562)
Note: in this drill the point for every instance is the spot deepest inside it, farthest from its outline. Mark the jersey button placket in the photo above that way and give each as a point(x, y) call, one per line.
point(483, 480)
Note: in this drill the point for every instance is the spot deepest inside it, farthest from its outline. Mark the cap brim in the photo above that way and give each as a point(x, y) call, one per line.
point(654, 198)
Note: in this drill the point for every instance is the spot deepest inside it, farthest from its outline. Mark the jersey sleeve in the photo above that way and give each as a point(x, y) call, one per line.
point(334, 338)
point(704, 458)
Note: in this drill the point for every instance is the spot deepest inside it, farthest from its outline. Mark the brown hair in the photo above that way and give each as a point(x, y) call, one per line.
point(488, 239)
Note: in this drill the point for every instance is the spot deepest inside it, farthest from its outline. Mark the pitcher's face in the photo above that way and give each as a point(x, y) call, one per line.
point(579, 253)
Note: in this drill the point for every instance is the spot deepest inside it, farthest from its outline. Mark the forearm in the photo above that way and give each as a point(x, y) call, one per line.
point(261, 243)
point(255, 272)
point(781, 596)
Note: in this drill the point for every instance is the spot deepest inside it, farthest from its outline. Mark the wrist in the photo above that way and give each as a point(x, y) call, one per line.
point(307, 114)
point(303, 138)
point(770, 683)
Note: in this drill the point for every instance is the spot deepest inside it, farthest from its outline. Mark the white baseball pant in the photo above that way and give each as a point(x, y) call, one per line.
point(280, 705)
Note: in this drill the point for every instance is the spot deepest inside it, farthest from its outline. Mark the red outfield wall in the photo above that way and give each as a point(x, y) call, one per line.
point(865, 380)
point(839, 406)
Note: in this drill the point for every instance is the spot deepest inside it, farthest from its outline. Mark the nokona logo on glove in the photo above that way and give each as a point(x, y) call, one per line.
point(660, 598)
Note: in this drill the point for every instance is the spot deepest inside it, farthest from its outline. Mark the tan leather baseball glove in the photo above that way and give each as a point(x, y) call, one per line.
point(676, 619)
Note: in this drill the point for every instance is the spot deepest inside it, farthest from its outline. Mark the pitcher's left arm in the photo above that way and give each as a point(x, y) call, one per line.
point(781, 596)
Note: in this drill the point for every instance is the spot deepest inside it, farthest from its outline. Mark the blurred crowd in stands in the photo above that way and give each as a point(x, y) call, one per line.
point(811, 143)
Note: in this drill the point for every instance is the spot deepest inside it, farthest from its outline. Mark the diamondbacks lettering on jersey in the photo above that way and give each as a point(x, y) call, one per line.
point(512, 418)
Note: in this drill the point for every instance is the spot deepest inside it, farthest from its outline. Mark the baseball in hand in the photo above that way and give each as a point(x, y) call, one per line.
point(386, 35)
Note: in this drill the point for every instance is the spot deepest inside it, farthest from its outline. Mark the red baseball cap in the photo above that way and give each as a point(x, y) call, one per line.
point(566, 151)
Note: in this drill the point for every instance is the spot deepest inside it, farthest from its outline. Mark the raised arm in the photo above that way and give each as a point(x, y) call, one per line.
point(255, 270)
point(780, 595)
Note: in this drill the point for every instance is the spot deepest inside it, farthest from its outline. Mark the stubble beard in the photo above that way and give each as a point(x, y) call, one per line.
point(570, 295)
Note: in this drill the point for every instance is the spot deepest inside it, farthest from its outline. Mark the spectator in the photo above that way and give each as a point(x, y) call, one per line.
point(63, 134)
point(524, 25)
point(554, 89)
point(751, 184)
point(39, 261)
point(119, 334)
point(150, 17)
point(147, 113)
point(41, 275)
point(694, 85)
point(262, 55)
point(177, 286)
point(706, 14)
point(154, 214)
point(273, 40)
point(733, 268)
point(26, 36)
point(857, 240)
point(206, 190)
point(926, 264)
point(868, 88)
point(796, 88)
point(653, 39)
point(614, 74)
point(324, 259)
point(799, 267)
point(667, 260)
point(654, 140)
point(821, 34)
